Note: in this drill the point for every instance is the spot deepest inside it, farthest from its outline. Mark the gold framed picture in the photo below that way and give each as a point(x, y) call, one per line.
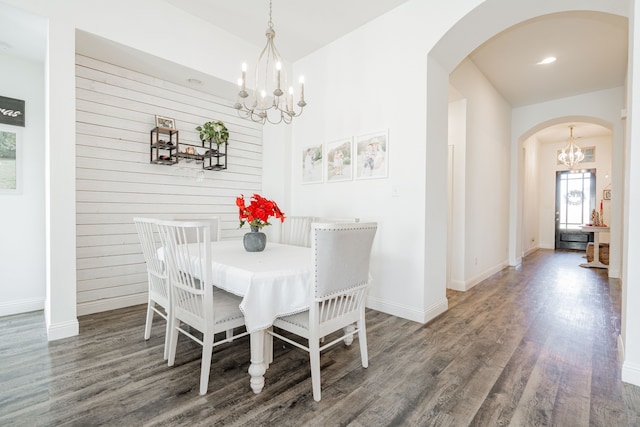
point(165, 122)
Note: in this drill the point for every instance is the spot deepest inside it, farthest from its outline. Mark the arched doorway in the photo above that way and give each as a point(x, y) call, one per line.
point(543, 222)
point(486, 20)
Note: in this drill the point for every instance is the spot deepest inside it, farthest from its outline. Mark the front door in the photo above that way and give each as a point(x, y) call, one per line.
point(575, 198)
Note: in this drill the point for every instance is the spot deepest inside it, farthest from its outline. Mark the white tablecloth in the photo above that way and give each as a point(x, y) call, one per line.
point(273, 283)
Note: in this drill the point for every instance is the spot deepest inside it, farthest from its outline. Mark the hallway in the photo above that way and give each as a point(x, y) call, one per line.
point(536, 345)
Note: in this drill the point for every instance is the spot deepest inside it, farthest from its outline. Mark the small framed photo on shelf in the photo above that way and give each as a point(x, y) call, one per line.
point(606, 194)
point(312, 164)
point(339, 160)
point(165, 122)
point(372, 155)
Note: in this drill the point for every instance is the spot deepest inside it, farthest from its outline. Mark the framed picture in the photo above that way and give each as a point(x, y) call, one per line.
point(372, 155)
point(165, 122)
point(339, 160)
point(10, 159)
point(312, 164)
point(606, 194)
point(12, 111)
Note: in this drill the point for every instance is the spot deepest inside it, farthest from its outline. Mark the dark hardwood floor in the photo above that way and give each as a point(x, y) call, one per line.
point(535, 345)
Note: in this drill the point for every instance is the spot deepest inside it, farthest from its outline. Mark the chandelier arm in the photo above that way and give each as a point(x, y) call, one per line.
point(256, 86)
point(274, 122)
point(268, 94)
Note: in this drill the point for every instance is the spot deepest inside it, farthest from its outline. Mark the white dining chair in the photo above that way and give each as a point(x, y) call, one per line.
point(214, 225)
point(158, 300)
point(335, 220)
point(341, 258)
point(187, 253)
point(296, 230)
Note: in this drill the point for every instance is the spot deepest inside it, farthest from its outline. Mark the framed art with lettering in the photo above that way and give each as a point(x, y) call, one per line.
point(11, 111)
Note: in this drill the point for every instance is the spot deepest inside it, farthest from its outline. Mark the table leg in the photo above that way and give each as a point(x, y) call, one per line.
point(268, 347)
point(257, 367)
point(596, 253)
point(347, 329)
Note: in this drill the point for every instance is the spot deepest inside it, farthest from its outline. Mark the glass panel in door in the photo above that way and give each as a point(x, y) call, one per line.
point(575, 198)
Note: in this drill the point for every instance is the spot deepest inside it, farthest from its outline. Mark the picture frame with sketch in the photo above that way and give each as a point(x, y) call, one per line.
point(338, 160)
point(372, 155)
point(312, 164)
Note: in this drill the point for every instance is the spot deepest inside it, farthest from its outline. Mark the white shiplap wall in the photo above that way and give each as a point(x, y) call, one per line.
point(115, 111)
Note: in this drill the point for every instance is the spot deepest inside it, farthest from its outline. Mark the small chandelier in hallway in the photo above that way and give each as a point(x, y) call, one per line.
point(571, 154)
point(269, 102)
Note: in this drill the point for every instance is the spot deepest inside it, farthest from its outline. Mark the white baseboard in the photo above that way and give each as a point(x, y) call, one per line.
point(21, 306)
point(530, 251)
point(457, 285)
point(631, 373)
point(614, 273)
point(61, 330)
point(111, 304)
point(468, 284)
point(410, 313)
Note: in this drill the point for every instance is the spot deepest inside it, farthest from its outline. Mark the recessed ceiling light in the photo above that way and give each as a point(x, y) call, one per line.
point(194, 81)
point(547, 60)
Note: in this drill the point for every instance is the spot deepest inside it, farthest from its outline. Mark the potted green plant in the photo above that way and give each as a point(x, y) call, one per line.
point(214, 131)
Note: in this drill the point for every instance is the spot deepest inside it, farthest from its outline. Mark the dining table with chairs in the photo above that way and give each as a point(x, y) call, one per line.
point(283, 284)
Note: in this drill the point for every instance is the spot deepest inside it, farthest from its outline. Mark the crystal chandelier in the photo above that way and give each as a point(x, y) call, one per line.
point(269, 103)
point(571, 154)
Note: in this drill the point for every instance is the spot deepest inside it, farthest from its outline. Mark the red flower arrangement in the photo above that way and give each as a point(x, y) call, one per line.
point(258, 212)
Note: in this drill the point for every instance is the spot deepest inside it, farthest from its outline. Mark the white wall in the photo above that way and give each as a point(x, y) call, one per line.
point(374, 79)
point(531, 203)
point(631, 244)
point(457, 140)
point(486, 176)
point(147, 25)
point(115, 182)
point(547, 168)
point(22, 245)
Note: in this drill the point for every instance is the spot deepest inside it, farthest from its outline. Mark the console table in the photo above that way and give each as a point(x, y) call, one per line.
point(596, 246)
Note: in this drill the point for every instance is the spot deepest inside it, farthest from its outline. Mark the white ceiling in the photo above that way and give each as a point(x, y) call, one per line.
point(591, 52)
point(22, 34)
point(301, 26)
point(591, 47)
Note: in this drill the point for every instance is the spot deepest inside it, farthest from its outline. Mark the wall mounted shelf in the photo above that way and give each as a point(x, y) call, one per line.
point(166, 150)
point(163, 146)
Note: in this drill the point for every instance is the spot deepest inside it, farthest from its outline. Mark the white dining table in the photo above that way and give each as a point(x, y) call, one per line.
point(272, 283)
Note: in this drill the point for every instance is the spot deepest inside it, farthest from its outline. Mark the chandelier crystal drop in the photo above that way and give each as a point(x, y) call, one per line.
point(571, 155)
point(269, 102)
